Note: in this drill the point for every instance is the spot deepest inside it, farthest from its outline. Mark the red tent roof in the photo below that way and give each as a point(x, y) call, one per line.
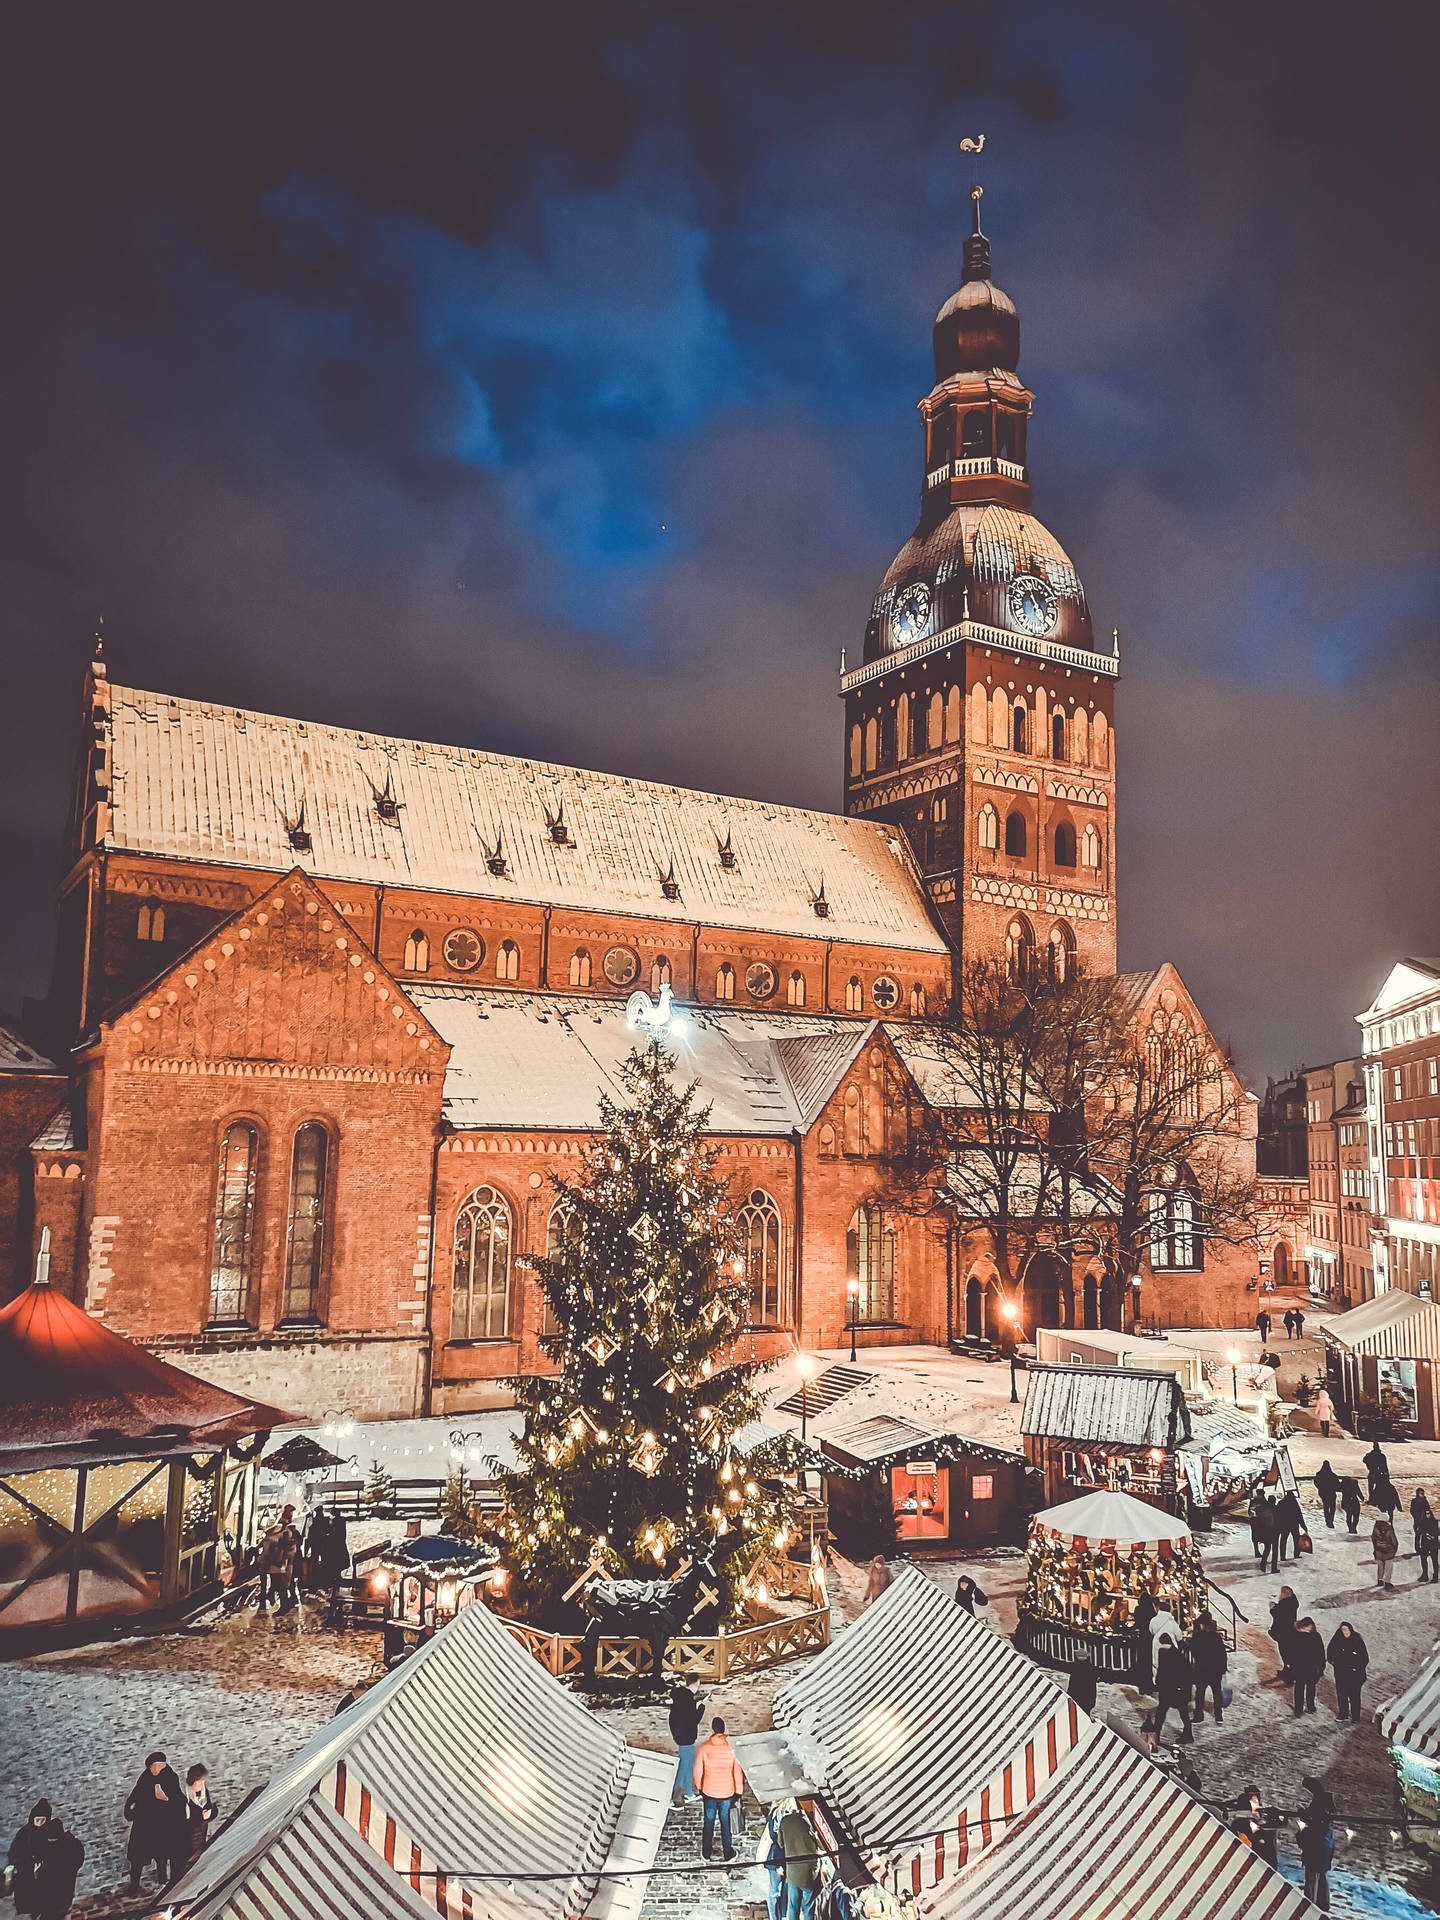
point(67, 1381)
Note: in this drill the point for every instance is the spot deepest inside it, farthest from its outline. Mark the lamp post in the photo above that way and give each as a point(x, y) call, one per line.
point(1012, 1314)
point(1234, 1358)
point(852, 1287)
point(805, 1366)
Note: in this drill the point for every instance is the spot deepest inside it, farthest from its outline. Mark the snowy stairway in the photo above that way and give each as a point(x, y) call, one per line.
point(822, 1393)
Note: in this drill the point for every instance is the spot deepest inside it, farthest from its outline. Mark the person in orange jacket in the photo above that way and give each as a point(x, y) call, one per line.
point(719, 1781)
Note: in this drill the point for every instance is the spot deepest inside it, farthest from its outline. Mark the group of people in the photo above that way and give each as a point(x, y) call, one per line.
point(1304, 1657)
point(1276, 1525)
point(1178, 1669)
point(1293, 1322)
point(707, 1768)
point(1258, 1825)
point(46, 1859)
point(287, 1562)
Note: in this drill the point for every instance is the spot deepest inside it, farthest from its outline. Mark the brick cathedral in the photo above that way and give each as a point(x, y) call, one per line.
point(342, 1004)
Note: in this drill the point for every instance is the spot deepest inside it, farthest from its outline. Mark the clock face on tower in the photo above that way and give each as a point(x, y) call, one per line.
point(911, 614)
point(1032, 604)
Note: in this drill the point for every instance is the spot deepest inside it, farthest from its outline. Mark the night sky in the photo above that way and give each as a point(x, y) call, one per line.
point(543, 379)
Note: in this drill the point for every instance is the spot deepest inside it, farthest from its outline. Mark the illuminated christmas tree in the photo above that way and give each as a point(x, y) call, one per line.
point(628, 1457)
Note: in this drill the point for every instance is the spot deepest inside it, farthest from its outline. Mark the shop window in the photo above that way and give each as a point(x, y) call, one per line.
point(920, 1493)
point(480, 1305)
point(233, 1259)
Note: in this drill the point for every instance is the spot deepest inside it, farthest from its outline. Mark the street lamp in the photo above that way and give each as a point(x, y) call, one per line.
point(852, 1287)
point(805, 1366)
point(1012, 1313)
point(1234, 1358)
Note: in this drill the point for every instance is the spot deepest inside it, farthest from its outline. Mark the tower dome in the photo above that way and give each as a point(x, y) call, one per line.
point(977, 330)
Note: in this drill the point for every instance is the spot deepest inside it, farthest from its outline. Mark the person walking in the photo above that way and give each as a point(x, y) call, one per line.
point(1327, 1485)
point(1289, 1525)
point(969, 1595)
point(1173, 1682)
point(1383, 1539)
point(1299, 1323)
point(685, 1712)
point(1289, 1323)
point(1387, 1498)
point(1262, 1325)
point(770, 1856)
point(1307, 1664)
point(878, 1579)
point(199, 1811)
point(1349, 1656)
point(1324, 1411)
point(1377, 1467)
point(1351, 1501)
point(47, 1861)
point(158, 1824)
point(1144, 1645)
point(1419, 1507)
point(1283, 1614)
point(719, 1782)
point(1208, 1661)
point(1427, 1545)
point(1262, 1530)
point(1317, 1842)
point(1083, 1682)
point(802, 1865)
point(1259, 1824)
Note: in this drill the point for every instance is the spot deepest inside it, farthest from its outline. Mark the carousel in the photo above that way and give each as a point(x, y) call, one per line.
point(1091, 1562)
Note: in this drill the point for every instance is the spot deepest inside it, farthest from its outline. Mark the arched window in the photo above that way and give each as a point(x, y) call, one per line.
point(725, 981)
point(902, 727)
point(580, 968)
point(507, 961)
point(795, 989)
point(1015, 833)
point(935, 819)
point(1099, 742)
point(854, 995)
point(1090, 849)
point(988, 827)
point(1175, 1239)
point(935, 722)
point(999, 719)
point(870, 1259)
point(305, 1243)
point(417, 953)
point(975, 434)
point(872, 744)
point(1057, 735)
point(855, 751)
point(1079, 737)
point(234, 1255)
point(480, 1306)
point(660, 975)
point(150, 921)
point(1064, 844)
point(979, 715)
point(561, 1230)
point(1020, 950)
point(952, 714)
point(917, 1002)
point(1060, 953)
point(760, 1230)
point(1019, 728)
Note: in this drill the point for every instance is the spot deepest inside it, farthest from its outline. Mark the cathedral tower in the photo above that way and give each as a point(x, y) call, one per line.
point(981, 720)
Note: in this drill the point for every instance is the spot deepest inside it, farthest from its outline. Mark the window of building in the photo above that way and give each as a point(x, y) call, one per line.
point(870, 1259)
point(988, 829)
point(1015, 833)
point(938, 814)
point(507, 961)
point(902, 727)
point(233, 1259)
point(975, 434)
point(1020, 950)
point(580, 968)
point(660, 974)
point(1398, 1094)
point(854, 995)
point(1019, 728)
point(1435, 1076)
point(935, 722)
point(305, 1243)
point(1057, 736)
point(480, 1306)
point(1090, 849)
point(417, 953)
point(1064, 844)
point(725, 981)
point(795, 989)
point(872, 743)
point(760, 1231)
point(561, 1230)
point(150, 921)
point(1175, 1242)
point(855, 751)
point(1060, 953)
point(917, 1001)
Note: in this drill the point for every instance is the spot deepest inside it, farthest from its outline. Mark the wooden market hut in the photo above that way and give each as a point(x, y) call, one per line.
point(126, 1486)
point(893, 1485)
point(1387, 1350)
point(1410, 1725)
point(1087, 1428)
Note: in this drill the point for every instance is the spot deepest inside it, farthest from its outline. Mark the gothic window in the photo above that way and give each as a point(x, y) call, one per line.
point(1015, 833)
point(580, 968)
point(1079, 737)
point(935, 819)
point(480, 1306)
point(150, 921)
point(1064, 844)
point(561, 1230)
point(902, 727)
point(854, 1139)
point(417, 953)
point(795, 989)
point(917, 1002)
point(660, 975)
point(507, 961)
point(1020, 950)
point(870, 1259)
point(979, 715)
point(1060, 953)
point(725, 981)
point(935, 722)
point(854, 995)
point(1175, 1241)
point(1172, 1062)
point(855, 751)
point(827, 1143)
point(233, 1259)
point(304, 1250)
point(988, 827)
point(887, 736)
point(1100, 741)
point(952, 714)
point(1019, 728)
point(999, 719)
point(872, 743)
point(1057, 736)
point(760, 1232)
point(1090, 849)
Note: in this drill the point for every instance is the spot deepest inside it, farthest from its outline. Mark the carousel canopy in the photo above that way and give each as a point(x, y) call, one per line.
point(472, 1760)
point(73, 1390)
point(1113, 1824)
point(1412, 1718)
point(1112, 1516)
point(916, 1717)
point(301, 1454)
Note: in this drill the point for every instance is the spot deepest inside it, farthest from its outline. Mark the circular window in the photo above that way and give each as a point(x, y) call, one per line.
point(760, 981)
point(885, 993)
point(463, 950)
point(621, 966)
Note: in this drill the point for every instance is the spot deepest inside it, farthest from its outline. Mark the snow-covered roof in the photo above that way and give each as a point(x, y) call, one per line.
point(543, 1060)
point(195, 781)
point(468, 1756)
point(916, 1719)
point(1108, 1515)
point(58, 1133)
point(1122, 1405)
point(1412, 1718)
point(1395, 1323)
point(1115, 1835)
point(885, 1436)
point(18, 1056)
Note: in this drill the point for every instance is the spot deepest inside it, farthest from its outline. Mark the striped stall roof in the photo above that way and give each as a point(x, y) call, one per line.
point(316, 1868)
point(469, 1758)
point(1126, 1406)
point(1400, 1325)
point(1412, 1718)
point(918, 1719)
point(1114, 1837)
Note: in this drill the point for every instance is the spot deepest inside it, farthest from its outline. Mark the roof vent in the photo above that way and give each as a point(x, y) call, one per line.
point(555, 822)
point(299, 836)
point(386, 805)
point(820, 903)
point(495, 858)
point(669, 885)
point(727, 852)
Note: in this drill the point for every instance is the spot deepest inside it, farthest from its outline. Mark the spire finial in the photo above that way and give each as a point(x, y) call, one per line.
point(97, 654)
point(42, 1259)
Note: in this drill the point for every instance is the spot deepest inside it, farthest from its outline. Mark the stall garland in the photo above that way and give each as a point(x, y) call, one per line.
point(1097, 1588)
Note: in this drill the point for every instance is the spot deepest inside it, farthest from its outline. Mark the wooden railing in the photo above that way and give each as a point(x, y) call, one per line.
point(708, 1657)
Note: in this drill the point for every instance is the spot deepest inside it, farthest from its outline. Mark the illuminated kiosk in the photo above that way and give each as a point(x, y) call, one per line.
point(126, 1486)
point(1410, 1725)
point(1090, 1561)
point(434, 1577)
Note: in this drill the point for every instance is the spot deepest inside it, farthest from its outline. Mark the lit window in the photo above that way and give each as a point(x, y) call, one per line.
point(480, 1308)
point(725, 981)
point(870, 1260)
point(854, 995)
point(982, 1486)
point(1174, 1240)
point(305, 1243)
point(233, 1258)
point(760, 1231)
point(580, 968)
point(795, 989)
point(417, 953)
point(150, 922)
point(562, 1230)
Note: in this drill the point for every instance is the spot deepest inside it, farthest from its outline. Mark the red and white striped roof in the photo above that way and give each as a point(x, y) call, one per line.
point(1116, 1839)
point(1412, 1718)
point(918, 1719)
point(1109, 1519)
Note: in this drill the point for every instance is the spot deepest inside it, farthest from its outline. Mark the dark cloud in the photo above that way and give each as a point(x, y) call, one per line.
point(549, 385)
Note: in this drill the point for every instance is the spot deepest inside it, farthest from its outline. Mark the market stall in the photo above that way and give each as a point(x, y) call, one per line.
point(434, 1577)
point(1105, 1427)
point(1387, 1351)
point(1410, 1724)
point(1090, 1561)
point(894, 1485)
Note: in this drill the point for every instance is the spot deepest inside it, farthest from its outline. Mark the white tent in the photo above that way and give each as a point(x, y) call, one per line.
point(1412, 1718)
point(1112, 1518)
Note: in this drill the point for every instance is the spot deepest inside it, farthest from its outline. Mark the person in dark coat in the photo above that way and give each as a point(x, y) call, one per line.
point(1209, 1658)
point(1262, 1325)
point(317, 1551)
point(1259, 1824)
point(1262, 1530)
point(1289, 1323)
point(158, 1823)
point(1419, 1507)
point(1427, 1545)
point(1377, 1466)
point(1316, 1828)
point(1172, 1686)
point(199, 1810)
point(969, 1595)
point(46, 1860)
point(1351, 1501)
point(1386, 1498)
point(1307, 1664)
point(1349, 1656)
point(1289, 1525)
point(1144, 1651)
point(1299, 1323)
point(1283, 1615)
point(1327, 1485)
point(685, 1712)
point(1084, 1678)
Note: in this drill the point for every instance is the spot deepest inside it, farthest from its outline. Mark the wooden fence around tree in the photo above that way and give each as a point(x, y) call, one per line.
point(706, 1657)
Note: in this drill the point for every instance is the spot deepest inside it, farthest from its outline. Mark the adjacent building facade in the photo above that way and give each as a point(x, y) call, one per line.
point(1401, 1028)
